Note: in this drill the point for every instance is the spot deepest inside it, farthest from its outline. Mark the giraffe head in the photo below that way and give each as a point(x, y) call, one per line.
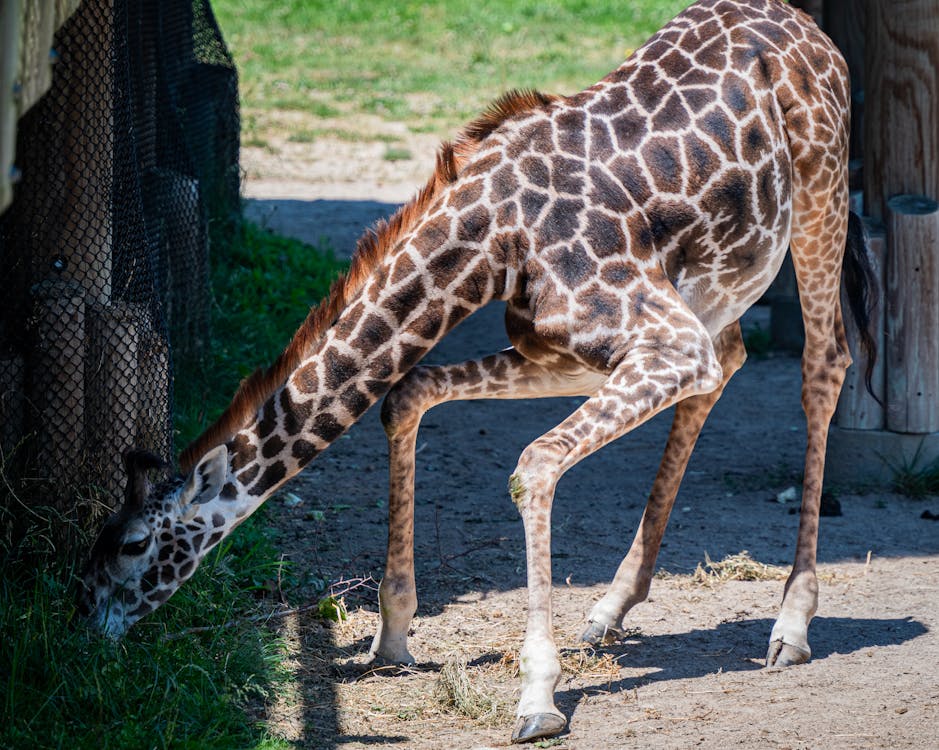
point(154, 541)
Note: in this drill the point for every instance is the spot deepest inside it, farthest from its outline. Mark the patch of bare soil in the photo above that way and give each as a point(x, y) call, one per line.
point(688, 673)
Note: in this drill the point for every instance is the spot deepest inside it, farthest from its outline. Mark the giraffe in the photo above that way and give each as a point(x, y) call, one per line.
point(627, 228)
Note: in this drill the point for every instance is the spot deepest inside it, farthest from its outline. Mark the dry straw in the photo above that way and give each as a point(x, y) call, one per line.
point(455, 691)
point(739, 567)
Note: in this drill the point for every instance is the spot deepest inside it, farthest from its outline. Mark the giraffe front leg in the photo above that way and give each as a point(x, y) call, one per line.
point(634, 575)
point(504, 375)
point(646, 381)
point(397, 593)
point(539, 666)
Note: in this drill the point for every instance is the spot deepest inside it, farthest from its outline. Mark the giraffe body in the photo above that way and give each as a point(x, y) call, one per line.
point(628, 228)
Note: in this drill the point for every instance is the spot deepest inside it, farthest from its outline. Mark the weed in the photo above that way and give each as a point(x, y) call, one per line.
point(912, 479)
point(302, 136)
point(321, 109)
point(397, 154)
point(757, 341)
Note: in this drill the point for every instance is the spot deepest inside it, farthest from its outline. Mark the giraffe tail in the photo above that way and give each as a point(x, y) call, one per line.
point(861, 284)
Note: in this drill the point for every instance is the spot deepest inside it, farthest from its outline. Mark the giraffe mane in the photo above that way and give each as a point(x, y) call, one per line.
point(372, 247)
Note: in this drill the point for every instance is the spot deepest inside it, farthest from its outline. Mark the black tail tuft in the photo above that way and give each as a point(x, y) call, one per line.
point(861, 284)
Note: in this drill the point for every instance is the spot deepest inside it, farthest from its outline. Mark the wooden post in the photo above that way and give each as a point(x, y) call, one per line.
point(11, 404)
point(912, 314)
point(57, 382)
point(35, 70)
point(153, 359)
point(187, 307)
point(10, 13)
point(901, 102)
point(857, 409)
point(813, 7)
point(85, 238)
point(111, 392)
point(844, 22)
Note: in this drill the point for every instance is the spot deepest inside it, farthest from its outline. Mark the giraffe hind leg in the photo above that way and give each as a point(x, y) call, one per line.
point(634, 575)
point(817, 251)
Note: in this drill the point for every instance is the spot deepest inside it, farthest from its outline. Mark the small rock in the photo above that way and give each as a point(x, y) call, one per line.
point(291, 500)
point(930, 516)
point(830, 506)
point(787, 495)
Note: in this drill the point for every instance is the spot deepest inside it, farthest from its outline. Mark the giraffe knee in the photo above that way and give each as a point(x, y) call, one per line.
point(405, 402)
point(537, 471)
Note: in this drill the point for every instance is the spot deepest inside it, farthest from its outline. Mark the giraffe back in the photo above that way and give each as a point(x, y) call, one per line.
point(698, 155)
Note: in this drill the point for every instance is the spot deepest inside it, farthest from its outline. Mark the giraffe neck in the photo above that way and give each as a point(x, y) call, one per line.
point(418, 293)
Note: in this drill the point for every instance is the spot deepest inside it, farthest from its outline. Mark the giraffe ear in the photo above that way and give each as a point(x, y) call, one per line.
point(205, 482)
point(137, 463)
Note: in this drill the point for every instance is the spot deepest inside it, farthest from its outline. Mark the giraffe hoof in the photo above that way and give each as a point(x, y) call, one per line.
point(598, 634)
point(537, 726)
point(375, 659)
point(782, 654)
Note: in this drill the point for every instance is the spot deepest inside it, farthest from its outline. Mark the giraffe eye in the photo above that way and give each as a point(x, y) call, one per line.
point(136, 548)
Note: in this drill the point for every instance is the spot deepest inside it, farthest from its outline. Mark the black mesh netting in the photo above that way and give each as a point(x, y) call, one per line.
point(127, 162)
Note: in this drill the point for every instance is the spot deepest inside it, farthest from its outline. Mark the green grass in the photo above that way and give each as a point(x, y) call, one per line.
point(397, 154)
point(60, 686)
point(431, 65)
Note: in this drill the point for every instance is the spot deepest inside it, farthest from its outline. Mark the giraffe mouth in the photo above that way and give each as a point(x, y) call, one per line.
point(106, 616)
point(110, 620)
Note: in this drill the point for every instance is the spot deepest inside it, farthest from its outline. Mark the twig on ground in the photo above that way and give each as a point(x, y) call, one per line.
point(349, 584)
point(445, 560)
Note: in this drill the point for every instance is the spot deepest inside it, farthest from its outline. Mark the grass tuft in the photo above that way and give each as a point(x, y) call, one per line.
point(454, 690)
point(395, 153)
point(738, 567)
point(912, 479)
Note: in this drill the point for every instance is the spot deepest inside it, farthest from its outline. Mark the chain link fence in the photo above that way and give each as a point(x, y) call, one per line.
point(128, 166)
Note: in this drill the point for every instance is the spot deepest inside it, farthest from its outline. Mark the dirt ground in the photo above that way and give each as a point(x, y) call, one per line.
point(689, 673)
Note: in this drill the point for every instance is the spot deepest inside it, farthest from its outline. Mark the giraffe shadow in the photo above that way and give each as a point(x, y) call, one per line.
point(736, 646)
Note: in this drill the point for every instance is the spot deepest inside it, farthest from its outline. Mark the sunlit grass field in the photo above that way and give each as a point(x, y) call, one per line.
point(432, 65)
